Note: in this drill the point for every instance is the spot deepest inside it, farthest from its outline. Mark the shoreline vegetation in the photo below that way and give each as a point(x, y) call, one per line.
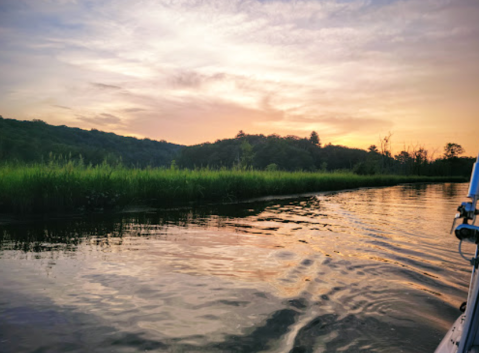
point(59, 169)
point(31, 142)
point(73, 187)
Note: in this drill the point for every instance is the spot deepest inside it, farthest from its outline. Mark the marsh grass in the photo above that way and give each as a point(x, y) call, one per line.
point(69, 186)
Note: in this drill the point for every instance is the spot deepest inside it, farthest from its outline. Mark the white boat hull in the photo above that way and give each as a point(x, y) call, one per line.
point(450, 342)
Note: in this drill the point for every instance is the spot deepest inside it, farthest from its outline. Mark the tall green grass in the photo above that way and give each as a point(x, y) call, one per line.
point(69, 187)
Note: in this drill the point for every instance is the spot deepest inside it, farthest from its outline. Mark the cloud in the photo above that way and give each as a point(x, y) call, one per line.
point(199, 118)
point(133, 110)
point(331, 126)
point(193, 79)
point(103, 119)
point(352, 68)
point(61, 107)
point(105, 86)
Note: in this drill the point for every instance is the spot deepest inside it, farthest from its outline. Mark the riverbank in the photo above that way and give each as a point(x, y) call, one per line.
point(47, 188)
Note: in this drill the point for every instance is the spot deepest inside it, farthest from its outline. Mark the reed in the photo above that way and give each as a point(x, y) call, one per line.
point(56, 187)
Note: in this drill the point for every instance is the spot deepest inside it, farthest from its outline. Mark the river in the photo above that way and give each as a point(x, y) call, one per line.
point(368, 270)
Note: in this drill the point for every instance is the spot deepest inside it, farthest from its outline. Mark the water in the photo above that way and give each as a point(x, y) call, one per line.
point(371, 270)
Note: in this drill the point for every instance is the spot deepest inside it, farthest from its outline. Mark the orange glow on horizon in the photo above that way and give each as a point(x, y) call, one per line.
point(189, 72)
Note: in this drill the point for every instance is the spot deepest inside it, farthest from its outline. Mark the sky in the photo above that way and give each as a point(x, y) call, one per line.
point(191, 71)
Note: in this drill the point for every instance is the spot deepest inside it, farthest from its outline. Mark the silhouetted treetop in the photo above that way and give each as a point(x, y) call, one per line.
point(452, 150)
point(240, 134)
point(314, 138)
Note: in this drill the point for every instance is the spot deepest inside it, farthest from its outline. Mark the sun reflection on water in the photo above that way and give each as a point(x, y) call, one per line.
point(300, 272)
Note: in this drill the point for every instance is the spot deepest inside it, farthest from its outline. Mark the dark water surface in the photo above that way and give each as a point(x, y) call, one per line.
point(371, 270)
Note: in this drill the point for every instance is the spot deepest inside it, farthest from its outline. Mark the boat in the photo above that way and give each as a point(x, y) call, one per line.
point(463, 336)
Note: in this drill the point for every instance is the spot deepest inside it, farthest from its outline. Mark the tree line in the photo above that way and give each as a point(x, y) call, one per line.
point(294, 153)
point(271, 152)
point(36, 141)
point(415, 160)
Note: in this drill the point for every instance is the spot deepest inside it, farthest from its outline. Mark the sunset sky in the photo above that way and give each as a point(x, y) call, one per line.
point(190, 71)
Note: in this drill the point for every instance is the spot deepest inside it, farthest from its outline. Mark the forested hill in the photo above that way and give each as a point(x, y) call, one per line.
point(34, 141)
point(294, 153)
point(271, 152)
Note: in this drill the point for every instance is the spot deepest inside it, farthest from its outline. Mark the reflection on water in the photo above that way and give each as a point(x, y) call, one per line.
point(371, 270)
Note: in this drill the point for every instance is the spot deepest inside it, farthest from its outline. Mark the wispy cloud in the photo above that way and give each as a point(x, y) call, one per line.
point(191, 70)
point(102, 119)
point(105, 86)
point(61, 107)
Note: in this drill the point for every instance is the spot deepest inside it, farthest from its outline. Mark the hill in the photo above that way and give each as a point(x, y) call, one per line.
point(271, 152)
point(34, 141)
point(37, 141)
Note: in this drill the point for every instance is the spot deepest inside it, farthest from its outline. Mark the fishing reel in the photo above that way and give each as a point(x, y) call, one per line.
point(467, 232)
point(467, 210)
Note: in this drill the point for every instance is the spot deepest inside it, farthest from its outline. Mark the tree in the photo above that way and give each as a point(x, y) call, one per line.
point(373, 149)
point(240, 135)
point(452, 150)
point(314, 139)
point(386, 145)
point(272, 167)
point(405, 162)
point(247, 154)
point(403, 157)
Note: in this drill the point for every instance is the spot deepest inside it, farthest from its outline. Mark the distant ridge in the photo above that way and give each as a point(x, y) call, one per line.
point(35, 141)
point(271, 152)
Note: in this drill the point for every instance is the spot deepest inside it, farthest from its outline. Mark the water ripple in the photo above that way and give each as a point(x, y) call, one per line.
point(370, 270)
